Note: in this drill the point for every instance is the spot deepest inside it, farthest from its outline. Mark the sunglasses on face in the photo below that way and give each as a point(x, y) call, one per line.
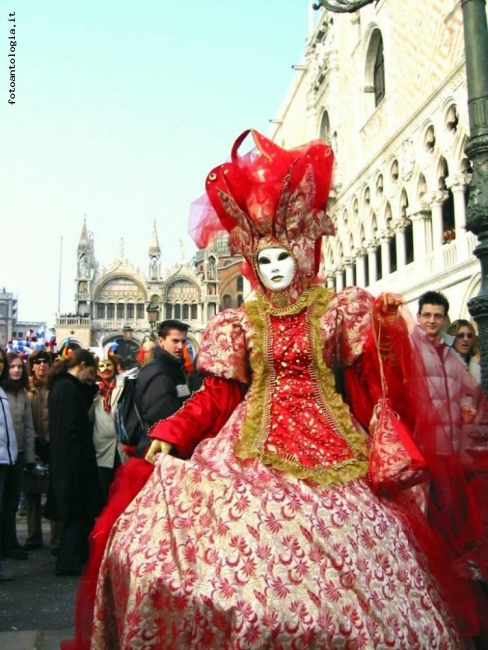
point(464, 335)
point(36, 362)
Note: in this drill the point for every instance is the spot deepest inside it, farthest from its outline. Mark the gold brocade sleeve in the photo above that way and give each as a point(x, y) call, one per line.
point(224, 349)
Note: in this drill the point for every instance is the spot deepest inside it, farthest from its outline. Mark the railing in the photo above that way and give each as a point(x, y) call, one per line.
point(72, 320)
point(119, 324)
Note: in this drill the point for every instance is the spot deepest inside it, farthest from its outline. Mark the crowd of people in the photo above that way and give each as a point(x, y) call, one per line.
point(250, 514)
point(59, 449)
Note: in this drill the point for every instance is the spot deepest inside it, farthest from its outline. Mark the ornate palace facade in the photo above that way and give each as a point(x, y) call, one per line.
point(120, 303)
point(386, 87)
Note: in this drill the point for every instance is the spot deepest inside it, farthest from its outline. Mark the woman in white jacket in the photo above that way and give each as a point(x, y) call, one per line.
point(8, 443)
point(104, 434)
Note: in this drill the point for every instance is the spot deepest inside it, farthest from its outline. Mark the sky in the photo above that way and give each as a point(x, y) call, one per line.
point(121, 109)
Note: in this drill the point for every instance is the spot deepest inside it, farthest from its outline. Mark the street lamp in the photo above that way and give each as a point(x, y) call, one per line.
point(476, 56)
point(152, 316)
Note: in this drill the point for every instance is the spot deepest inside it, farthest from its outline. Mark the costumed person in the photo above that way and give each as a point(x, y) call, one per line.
point(270, 535)
point(110, 387)
point(74, 493)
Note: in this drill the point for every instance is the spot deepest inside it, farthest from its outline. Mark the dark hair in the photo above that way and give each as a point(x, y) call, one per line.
point(75, 358)
point(118, 361)
point(434, 298)
point(4, 373)
point(8, 384)
point(456, 325)
point(167, 325)
point(34, 356)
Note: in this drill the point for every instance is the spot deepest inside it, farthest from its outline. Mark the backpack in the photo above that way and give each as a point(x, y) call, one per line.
point(127, 419)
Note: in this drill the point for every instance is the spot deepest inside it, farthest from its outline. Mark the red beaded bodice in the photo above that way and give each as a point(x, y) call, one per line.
point(302, 427)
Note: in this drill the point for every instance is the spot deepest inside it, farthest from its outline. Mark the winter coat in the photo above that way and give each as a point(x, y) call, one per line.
point(8, 440)
point(450, 387)
point(473, 366)
point(21, 412)
point(161, 387)
point(74, 491)
point(38, 395)
point(104, 433)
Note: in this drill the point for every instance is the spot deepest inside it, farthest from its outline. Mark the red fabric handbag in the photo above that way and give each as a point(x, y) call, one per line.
point(395, 463)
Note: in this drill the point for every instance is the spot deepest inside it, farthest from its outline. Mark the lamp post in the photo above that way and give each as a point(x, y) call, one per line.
point(476, 55)
point(152, 316)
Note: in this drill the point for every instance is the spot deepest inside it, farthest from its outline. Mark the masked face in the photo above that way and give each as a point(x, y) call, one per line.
point(105, 369)
point(276, 268)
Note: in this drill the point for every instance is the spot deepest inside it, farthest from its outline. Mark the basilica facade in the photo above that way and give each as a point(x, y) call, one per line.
point(386, 87)
point(121, 304)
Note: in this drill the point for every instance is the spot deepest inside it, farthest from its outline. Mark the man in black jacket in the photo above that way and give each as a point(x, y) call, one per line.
point(161, 385)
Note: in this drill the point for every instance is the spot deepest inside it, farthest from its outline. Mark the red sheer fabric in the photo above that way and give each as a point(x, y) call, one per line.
point(456, 496)
point(213, 405)
point(129, 480)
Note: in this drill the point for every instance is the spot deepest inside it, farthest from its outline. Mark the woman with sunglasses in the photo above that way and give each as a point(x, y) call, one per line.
point(466, 345)
point(39, 363)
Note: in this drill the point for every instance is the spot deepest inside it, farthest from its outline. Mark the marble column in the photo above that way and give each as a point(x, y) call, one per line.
point(361, 268)
point(399, 227)
point(339, 274)
point(372, 266)
point(349, 264)
point(457, 183)
point(385, 254)
point(420, 218)
point(436, 200)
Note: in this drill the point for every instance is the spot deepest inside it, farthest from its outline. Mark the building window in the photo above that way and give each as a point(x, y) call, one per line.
point(140, 311)
point(240, 283)
point(226, 301)
point(110, 311)
point(177, 311)
point(379, 73)
point(194, 312)
point(120, 311)
point(100, 310)
point(374, 72)
point(186, 311)
point(169, 311)
point(130, 311)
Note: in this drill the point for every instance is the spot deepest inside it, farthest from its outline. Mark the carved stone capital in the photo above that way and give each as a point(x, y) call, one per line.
point(419, 212)
point(400, 225)
point(436, 198)
point(457, 182)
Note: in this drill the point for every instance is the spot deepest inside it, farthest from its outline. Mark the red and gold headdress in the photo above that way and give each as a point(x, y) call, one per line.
point(269, 197)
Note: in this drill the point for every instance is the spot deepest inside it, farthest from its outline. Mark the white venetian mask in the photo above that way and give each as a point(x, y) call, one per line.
point(276, 268)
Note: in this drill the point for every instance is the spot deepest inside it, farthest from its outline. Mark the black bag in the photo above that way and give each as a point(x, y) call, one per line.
point(128, 422)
